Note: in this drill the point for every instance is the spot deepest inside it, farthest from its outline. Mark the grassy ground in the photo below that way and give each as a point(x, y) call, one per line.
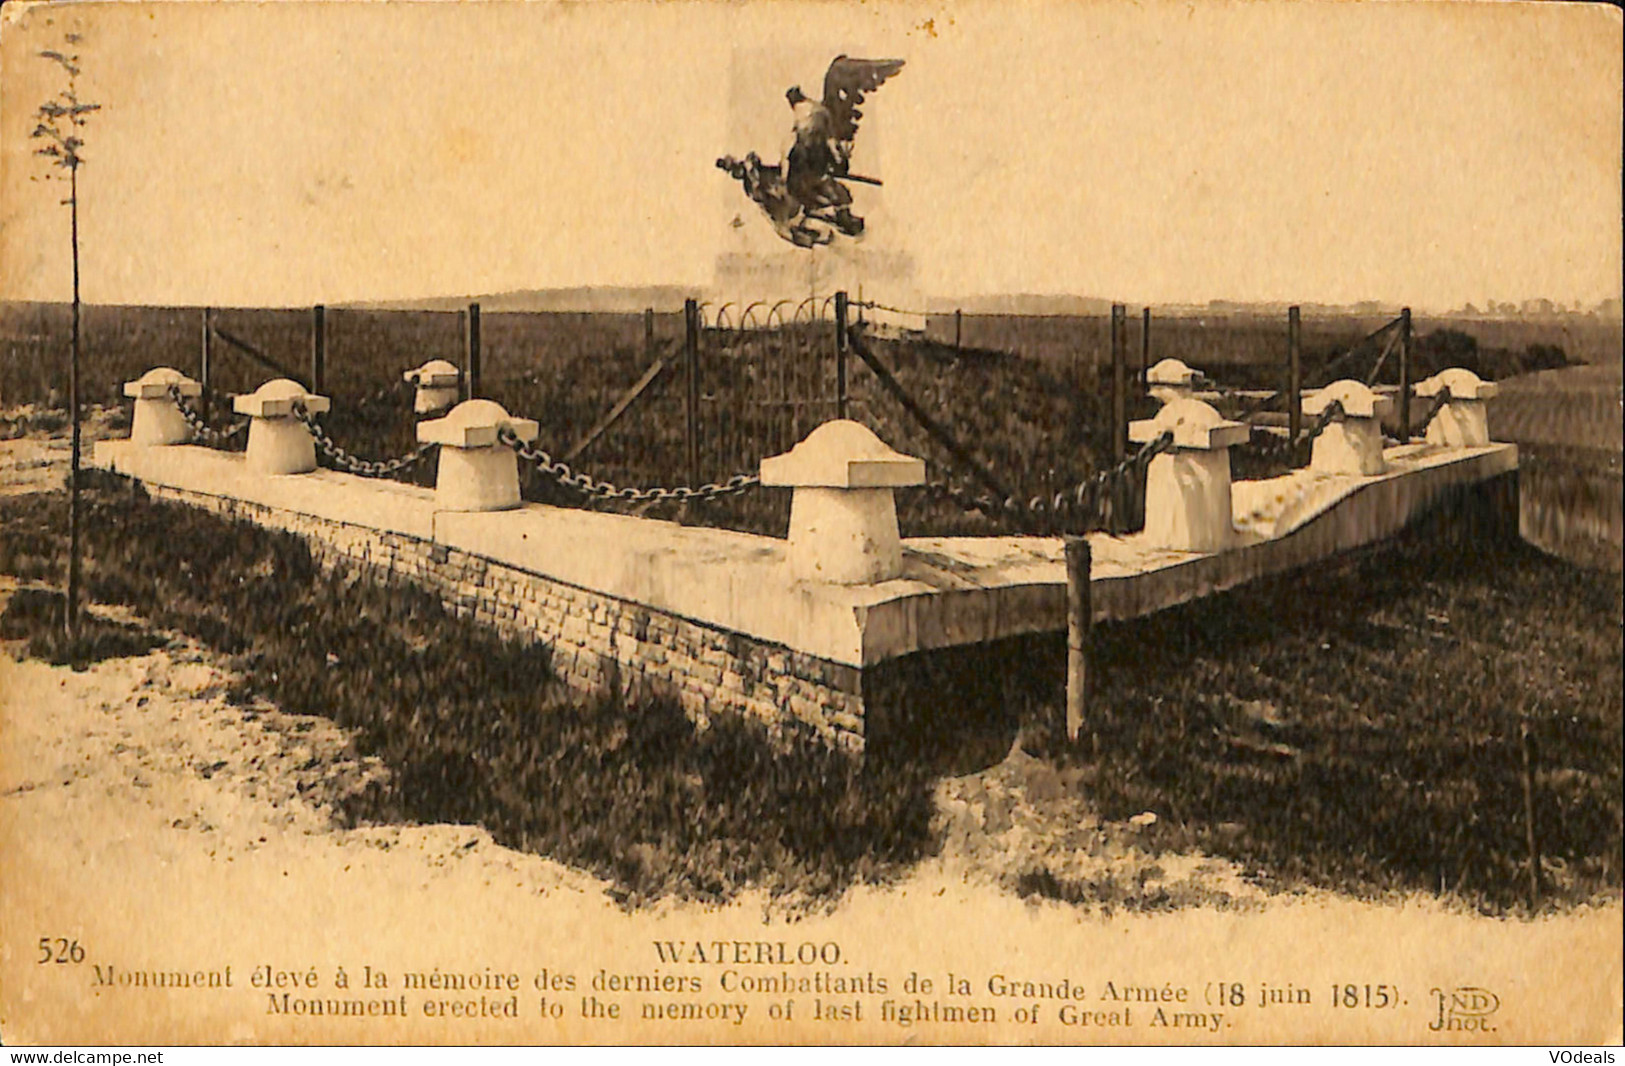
point(475, 729)
point(1360, 728)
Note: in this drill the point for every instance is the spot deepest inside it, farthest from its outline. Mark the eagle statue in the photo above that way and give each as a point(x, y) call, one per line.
point(805, 195)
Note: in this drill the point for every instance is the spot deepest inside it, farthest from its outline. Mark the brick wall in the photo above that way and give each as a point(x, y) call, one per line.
point(597, 641)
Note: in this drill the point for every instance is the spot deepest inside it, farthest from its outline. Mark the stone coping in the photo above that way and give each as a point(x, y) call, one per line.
point(953, 590)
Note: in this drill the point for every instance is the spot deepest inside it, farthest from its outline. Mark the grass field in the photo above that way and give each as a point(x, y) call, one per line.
point(1570, 428)
point(1353, 729)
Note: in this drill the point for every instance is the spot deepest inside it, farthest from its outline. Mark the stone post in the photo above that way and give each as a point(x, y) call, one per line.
point(1352, 443)
point(476, 471)
point(1463, 421)
point(437, 383)
point(1171, 380)
point(843, 515)
point(158, 419)
point(278, 443)
point(1187, 491)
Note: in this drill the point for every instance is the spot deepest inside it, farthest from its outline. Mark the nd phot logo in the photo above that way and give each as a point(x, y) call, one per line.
point(1465, 1010)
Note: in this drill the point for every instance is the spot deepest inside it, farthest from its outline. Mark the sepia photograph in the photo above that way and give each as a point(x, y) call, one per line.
point(811, 522)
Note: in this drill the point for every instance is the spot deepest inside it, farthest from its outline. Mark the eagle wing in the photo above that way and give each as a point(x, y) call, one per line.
point(844, 85)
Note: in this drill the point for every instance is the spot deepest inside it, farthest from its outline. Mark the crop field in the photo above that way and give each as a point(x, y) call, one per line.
point(1250, 350)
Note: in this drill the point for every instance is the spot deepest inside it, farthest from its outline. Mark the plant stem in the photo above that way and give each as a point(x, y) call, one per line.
point(71, 615)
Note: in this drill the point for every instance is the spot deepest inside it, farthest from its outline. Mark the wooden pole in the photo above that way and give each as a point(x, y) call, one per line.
point(1294, 371)
point(1079, 620)
point(203, 360)
point(648, 335)
point(1145, 348)
point(471, 352)
point(1119, 445)
point(318, 348)
point(1404, 375)
point(1531, 841)
point(691, 406)
point(959, 322)
point(840, 353)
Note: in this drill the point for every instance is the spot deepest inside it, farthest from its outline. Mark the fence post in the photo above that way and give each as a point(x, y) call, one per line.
point(1119, 445)
point(1294, 371)
point(840, 353)
point(691, 406)
point(959, 321)
point(1145, 347)
point(1531, 840)
point(203, 361)
point(648, 334)
point(471, 352)
point(1405, 375)
point(1079, 620)
point(318, 347)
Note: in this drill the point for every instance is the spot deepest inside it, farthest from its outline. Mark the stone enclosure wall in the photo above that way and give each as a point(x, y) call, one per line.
point(592, 636)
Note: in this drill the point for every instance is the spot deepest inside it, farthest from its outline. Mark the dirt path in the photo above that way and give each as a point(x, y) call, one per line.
point(152, 745)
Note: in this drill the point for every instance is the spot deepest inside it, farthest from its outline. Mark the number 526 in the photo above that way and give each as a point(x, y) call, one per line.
point(59, 949)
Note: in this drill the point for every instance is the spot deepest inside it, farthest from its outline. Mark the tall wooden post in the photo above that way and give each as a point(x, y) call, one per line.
point(471, 352)
point(1119, 445)
point(203, 359)
point(318, 348)
point(959, 322)
point(648, 335)
point(1404, 375)
point(691, 406)
point(840, 353)
point(1145, 348)
point(1294, 371)
point(1079, 620)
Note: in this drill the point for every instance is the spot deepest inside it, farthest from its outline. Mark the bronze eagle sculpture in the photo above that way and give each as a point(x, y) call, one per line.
point(805, 195)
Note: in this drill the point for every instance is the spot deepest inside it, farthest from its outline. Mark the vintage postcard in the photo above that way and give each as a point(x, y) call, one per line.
point(810, 523)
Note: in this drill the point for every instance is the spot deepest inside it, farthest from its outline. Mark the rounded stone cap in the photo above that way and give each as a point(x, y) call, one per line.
point(1173, 372)
point(1462, 383)
point(1193, 423)
point(275, 399)
point(1357, 398)
point(155, 384)
point(435, 374)
point(843, 454)
point(474, 424)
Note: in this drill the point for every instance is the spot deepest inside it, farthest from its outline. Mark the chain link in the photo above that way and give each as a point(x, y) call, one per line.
point(1273, 445)
point(351, 464)
point(1082, 500)
point(1439, 401)
point(204, 432)
point(593, 488)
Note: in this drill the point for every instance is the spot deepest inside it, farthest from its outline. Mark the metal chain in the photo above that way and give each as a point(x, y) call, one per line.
point(1284, 446)
point(592, 488)
point(353, 464)
point(1084, 498)
point(1438, 405)
point(205, 432)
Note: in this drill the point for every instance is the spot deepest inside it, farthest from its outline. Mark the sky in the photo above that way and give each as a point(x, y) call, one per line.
point(290, 153)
